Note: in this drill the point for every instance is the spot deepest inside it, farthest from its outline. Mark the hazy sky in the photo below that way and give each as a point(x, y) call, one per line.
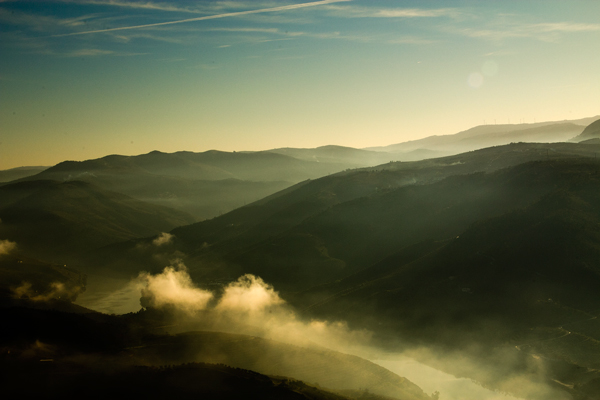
point(81, 79)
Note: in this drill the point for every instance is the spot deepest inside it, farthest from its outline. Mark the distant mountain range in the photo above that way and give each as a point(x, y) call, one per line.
point(493, 135)
point(333, 226)
point(202, 184)
point(437, 253)
point(213, 182)
point(591, 132)
point(18, 173)
point(490, 253)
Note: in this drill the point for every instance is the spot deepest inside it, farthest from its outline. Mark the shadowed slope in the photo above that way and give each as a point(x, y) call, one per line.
point(86, 350)
point(60, 220)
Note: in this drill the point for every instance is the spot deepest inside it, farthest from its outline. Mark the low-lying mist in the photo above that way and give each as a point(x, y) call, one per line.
point(6, 246)
point(54, 291)
point(253, 307)
point(248, 305)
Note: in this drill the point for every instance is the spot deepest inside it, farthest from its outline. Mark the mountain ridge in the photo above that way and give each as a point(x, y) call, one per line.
point(493, 135)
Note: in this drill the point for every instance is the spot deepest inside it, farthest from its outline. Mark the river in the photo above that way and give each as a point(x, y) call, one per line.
point(102, 296)
point(432, 380)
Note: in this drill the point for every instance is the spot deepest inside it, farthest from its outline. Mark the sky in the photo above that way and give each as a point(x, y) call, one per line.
point(81, 79)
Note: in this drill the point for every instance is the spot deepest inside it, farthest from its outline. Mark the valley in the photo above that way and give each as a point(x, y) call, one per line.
point(300, 199)
point(487, 257)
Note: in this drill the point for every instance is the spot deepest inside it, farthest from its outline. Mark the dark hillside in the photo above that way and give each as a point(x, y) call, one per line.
point(52, 220)
point(190, 381)
point(38, 281)
point(204, 184)
point(328, 228)
point(372, 209)
point(527, 278)
point(68, 353)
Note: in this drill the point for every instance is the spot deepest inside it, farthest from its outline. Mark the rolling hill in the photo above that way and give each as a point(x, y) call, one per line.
point(38, 281)
point(490, 254)
point(209, 165)
point(271, 232)
point(523, 282)
point(203, 184)
point(491, 249)
point(12, 174)
point(191, 381)
point(338, 154)
point(70, 353)
point(57, 221)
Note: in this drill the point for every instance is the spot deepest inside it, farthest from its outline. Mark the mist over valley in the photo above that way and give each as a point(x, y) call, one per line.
point(300, 199)
point(479, 264)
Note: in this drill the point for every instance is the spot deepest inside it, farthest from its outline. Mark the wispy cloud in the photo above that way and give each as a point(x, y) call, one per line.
point(539, 31)
point(41, 23)
point(89, 52)
point(352, 11)
point(257, 30)
point(335, 35)
point(565, 27)
point(413, 13)
point(224, 15)
point(194, 7)
point(84, 53)
point(128, 38)
point(144, 5)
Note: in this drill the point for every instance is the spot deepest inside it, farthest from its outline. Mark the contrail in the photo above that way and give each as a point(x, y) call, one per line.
point(232, 14)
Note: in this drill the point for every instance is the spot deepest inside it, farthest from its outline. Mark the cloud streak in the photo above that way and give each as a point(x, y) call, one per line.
point(316, 35)
point(42, 23)
point(540, 31)
point(224, 15)
point(135, 5)
point(369, 12)
point(166, 6)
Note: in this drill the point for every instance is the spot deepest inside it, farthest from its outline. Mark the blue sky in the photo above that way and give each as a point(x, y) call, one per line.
point(83, 79)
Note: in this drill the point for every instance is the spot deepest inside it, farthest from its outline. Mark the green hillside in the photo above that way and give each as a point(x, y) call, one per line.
point(492, 249)
point(40, 282)
point(204, 184)
point(491, 252)
point(328, 228)
point(58, 221)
